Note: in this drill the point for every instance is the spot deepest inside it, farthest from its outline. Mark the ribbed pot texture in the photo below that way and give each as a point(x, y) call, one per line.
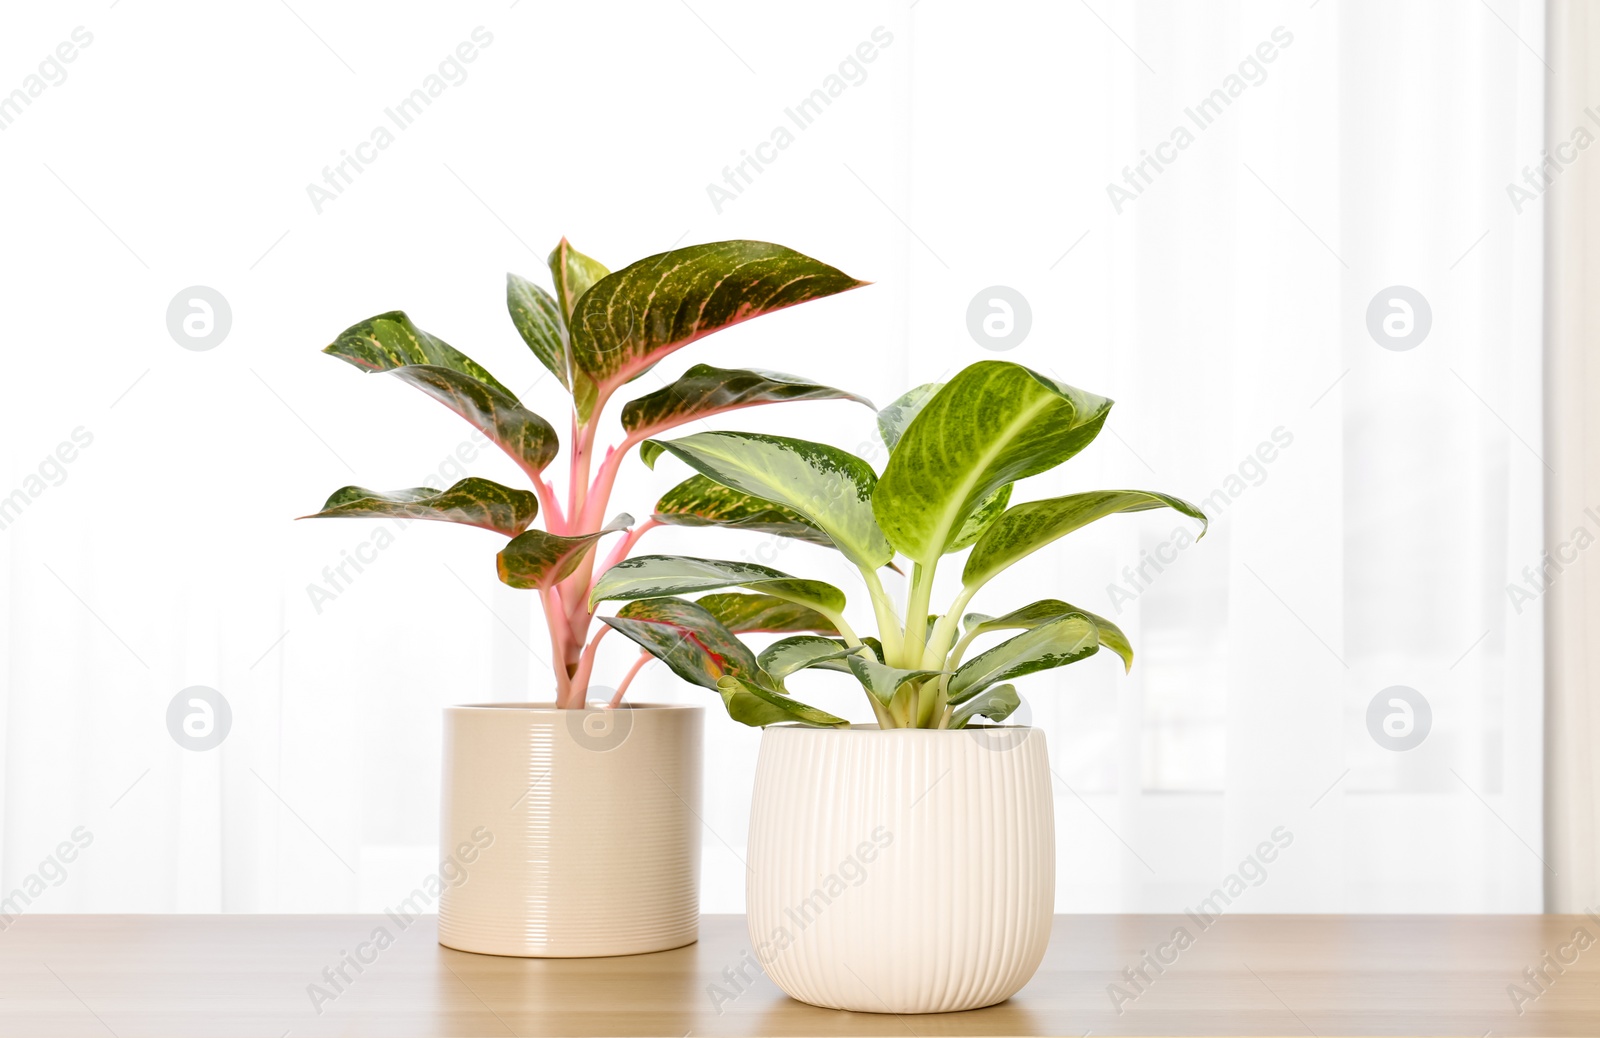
point(575, 832)
point(901, 871)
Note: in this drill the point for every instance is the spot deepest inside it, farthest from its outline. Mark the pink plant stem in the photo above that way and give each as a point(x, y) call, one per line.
point(554, 520)
point(556, 620)
point(586, 661)
point(627, 679)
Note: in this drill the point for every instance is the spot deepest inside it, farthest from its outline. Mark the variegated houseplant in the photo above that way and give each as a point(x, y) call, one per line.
point(955, 452)
point(581, 780)
point(596, 333)
point(955, 913)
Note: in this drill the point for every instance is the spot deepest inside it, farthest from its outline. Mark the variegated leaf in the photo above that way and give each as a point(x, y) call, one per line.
point(685, 637)
point(652, 576)
point(996, 703)
point(700, 501)
point(629, 321)
point(764, 614)
point(390, 340)
point(738, 693)
point(471, 502)
point(1045, 610)
point(995, 422)
point(574, 273)
point(529, 440)
point(1056, 643)
point(788, 655)
point(883, 681)
point(828, 487)
point(537, 559)
point(705, 390)
point(540, 324)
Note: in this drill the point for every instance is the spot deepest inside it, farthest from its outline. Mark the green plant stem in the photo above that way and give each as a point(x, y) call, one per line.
point(883, 610)
point(916, 624)
point(944, 630)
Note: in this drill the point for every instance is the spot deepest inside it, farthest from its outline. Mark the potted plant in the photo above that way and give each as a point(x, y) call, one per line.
point(575, 826)
point(944, 824)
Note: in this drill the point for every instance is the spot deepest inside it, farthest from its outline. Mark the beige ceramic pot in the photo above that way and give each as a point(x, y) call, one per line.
point(573, 832)
point(901, 871)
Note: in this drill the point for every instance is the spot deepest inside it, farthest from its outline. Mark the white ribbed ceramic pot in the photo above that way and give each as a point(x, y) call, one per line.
point(574, 832)
point(901, 871)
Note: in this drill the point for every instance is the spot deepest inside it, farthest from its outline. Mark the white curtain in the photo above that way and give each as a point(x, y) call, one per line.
point(1372, 508)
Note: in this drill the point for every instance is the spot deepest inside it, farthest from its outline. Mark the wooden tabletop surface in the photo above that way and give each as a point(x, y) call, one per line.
point(270, 976)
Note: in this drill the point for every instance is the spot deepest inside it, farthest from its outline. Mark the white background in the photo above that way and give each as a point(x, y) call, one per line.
point(1227, 301)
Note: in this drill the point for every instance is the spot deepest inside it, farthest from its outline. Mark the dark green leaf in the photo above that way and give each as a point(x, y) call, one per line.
point(630, 320)
point(390, 341)
point(540, 324)
point(686, 638)
point(704, 391)
point(527, 438)
point(541, 560)
point(471, 501)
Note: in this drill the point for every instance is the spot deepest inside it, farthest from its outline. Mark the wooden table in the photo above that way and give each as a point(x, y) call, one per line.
point(131, 976)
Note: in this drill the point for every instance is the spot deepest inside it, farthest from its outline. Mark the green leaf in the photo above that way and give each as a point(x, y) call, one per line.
point(652, 576)
point(782, 658)
point(995, 703)
point(764, 614)
point(994, 423)
point(1045, 610)
point(390, 341)
point(892, 423)
point(685, 637)
point(1056, 643)
point(704, 391)
point(700, 501)
point(471, 501)
point(529, 440)
point(541, 560)
point(630, 320)
point(574, 274)
point(540, 324)
point(1027, 527)
point(830, 488)
point(883, 681)
point(735, 690)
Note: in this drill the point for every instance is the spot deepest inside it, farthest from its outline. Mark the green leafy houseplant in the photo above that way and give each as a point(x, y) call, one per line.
point(956, 450)
point(596, 333)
